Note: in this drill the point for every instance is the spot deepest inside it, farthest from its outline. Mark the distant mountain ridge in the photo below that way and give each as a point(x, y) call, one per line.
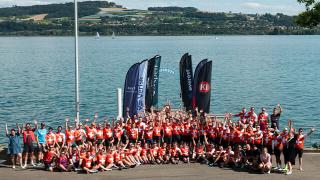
point(86, 8)
point(107, 17)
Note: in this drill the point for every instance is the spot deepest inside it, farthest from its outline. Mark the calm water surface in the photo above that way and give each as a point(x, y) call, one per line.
point(37, 74)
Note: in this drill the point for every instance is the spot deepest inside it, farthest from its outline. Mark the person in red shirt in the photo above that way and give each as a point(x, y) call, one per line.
point(194, 134)
point(160, 155)
point(28, 140)
point(148, 134)
point(185, 153)
point(199, 153)
point(210, 150)
point(87, 163)
point(175, 152)
point(203, 133)
point(220, 154)
point(101, 160)
point(108, 135)
point(79, 134)
point(48, 158)
point(69, 133)
point(187, 132)
point(267, 140)
point(144, 153)
point(258, 137)
point(51, 138)
point(99, 135)
point(263, 119)
point(153, 153)
point(299, 145)
point(117, 134)
point(212, 134)
point(90, 131)
point(176, 132)
point(157, 133)
point(252, 117)
point(242, 115)
point(133, 133)
point(167, 133)
point(60, 137)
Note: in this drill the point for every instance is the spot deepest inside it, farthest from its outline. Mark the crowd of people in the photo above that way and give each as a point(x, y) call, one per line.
point(244, 140)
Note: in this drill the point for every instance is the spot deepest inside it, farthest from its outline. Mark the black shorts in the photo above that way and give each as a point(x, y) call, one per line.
point(157, 139)
point(40, 147)
point(132, 140)
point(124, 139)
point(99, 141)
point(277, 152)
point(299, 152)
point(107, 142)
point(116, 141)
point(79, 142)
point(176, 138)
point(28, 148)
point(212, 140)
point(186, 138)
point(149, 141)
point(168, 139)
point(202, 139)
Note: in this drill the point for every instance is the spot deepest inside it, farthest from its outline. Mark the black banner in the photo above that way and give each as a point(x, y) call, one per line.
point(203, 87)
point(186, 81)
point(152, 82)
point(196, 74)
point(131, 90)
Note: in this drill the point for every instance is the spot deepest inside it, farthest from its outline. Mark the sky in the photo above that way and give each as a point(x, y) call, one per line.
point(290, 7)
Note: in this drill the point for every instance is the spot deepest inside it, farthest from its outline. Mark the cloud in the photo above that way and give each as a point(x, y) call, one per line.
point(254, 5)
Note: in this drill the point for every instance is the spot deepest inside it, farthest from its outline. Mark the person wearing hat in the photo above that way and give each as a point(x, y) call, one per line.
point(41, 141)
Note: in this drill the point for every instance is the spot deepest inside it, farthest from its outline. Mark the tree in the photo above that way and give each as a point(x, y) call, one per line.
point(310, 17)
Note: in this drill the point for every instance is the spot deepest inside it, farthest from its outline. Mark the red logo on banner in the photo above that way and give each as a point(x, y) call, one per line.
point(204, 87)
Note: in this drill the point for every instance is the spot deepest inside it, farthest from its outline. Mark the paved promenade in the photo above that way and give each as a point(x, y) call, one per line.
point(176, 172)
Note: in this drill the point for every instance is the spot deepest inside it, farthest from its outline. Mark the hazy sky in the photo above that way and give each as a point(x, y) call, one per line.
point(291, 7)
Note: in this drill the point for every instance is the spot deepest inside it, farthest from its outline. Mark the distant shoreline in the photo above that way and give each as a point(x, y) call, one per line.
point(177, 35)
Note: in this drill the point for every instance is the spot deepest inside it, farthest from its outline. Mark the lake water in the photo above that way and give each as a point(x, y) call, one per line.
point(37, 74)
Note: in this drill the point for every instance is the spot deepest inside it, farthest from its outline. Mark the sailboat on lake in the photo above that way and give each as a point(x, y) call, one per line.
point(97, 36)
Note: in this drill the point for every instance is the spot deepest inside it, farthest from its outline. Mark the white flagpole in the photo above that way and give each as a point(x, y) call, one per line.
point(119, 92)
point(77, 99)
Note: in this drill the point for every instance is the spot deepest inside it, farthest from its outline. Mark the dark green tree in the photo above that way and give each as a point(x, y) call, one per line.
point(310, 17)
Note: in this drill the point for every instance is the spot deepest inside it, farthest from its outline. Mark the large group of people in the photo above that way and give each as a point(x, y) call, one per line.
point(244, 140)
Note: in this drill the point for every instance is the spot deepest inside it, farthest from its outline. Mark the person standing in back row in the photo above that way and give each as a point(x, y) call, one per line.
point(275, 117)
point(14, 146)
point(28, 140)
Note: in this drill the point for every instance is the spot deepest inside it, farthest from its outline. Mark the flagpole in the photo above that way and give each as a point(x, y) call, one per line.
point(77, 96)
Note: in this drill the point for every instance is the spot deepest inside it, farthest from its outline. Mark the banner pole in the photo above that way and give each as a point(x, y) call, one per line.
point(119, 103)
point(77, 99)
